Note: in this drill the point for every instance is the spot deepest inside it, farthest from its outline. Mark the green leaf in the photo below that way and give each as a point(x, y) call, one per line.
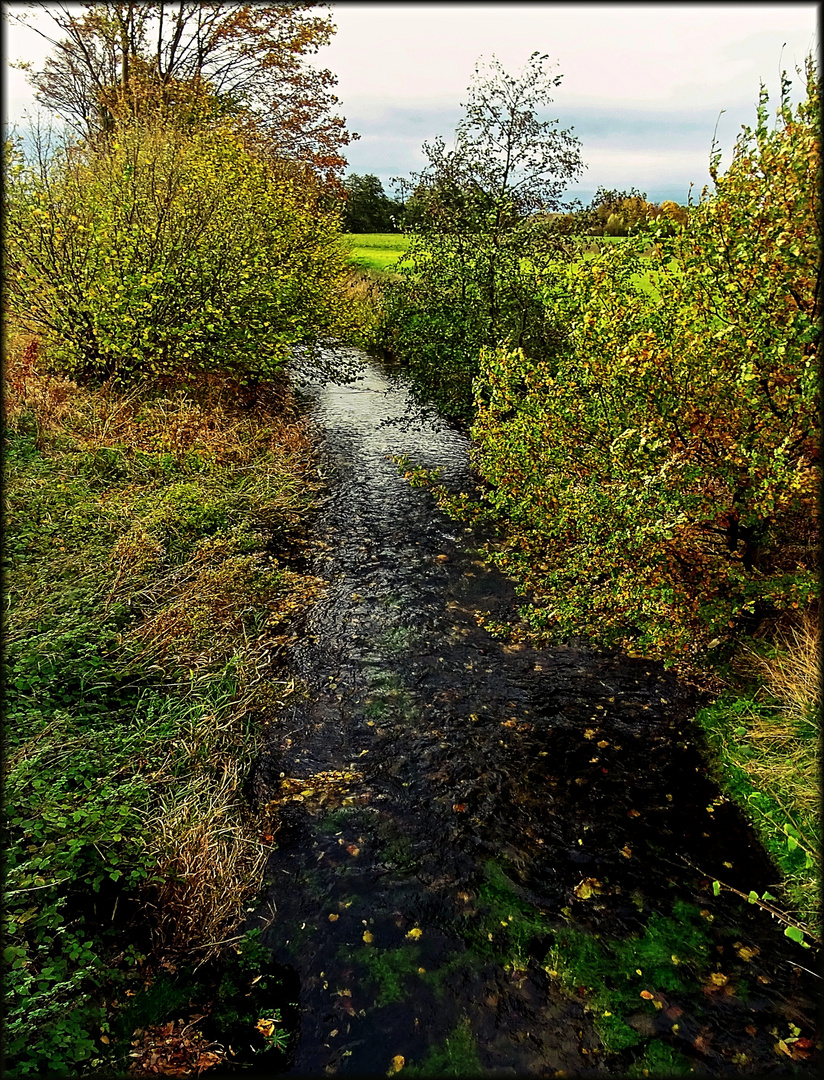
point(794, 934)
point(716, 888)
point(753, 896)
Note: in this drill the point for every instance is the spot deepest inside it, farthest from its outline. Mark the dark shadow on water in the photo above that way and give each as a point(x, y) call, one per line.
point(491, 862)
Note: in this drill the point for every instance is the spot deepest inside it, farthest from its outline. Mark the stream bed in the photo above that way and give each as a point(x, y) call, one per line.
point(495, 858)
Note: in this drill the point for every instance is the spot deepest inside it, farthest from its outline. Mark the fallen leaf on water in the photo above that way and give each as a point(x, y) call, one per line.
point(459, 807)
point(751, 1029)
point(586, 888)
point(414, 932)
point(398, 1061)
point(802, 1048)
point(633, 813)
point(626, 852)
point(367, 937)
point(602, 744)
point(589, 733)
point(333, 917)
point(353, 849)
point(748, 952)
point(646, 995)
point(719, 979)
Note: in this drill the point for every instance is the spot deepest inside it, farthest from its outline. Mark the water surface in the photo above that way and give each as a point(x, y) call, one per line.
point(497, 858)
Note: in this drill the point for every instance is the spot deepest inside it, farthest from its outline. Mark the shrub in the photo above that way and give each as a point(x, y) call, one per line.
point(166, 251)
point(658, 488)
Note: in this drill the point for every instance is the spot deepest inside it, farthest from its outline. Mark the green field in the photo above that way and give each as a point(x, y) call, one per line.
point(376, 251)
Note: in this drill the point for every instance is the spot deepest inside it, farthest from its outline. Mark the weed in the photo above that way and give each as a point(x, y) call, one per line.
point(457, 1057)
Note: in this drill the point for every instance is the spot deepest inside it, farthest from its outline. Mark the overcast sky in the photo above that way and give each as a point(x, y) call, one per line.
point(643, 84)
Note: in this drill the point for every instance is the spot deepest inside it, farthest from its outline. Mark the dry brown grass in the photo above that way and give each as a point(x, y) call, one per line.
point(793, 676)
point(210, 861)
point(783, 735)
point(209, 614)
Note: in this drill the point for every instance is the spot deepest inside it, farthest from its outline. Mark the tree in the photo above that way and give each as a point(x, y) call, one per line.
point(658, 487)
point(368, 209)
point(473, 272)
point(615, 213)
point(116, 56)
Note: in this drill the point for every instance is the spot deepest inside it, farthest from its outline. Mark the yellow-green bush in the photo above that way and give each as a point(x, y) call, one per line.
point(164, 251)
point(657, 488)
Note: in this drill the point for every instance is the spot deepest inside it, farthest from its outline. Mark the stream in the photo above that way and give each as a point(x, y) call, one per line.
point(494, 858)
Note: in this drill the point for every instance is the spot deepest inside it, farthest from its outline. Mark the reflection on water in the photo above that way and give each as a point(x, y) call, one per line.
point(490, 860)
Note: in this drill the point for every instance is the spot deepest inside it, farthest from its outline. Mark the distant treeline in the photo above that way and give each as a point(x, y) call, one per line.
point(368, 209)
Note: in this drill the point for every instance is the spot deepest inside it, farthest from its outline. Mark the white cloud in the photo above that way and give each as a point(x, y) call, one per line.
point(643, 84)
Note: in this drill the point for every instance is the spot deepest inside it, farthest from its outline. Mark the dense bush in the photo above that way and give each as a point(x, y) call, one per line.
point(658, 486)
point(166, 251)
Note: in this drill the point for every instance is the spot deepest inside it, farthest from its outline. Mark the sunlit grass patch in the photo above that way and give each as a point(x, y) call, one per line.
point(770, 744)
point(376, 252)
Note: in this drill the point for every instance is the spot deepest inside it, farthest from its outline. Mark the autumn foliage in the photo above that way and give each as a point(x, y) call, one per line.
point(120, 60)
point(657, 487)
point(164, 251)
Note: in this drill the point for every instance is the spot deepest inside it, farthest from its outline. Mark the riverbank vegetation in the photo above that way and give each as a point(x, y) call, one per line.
point(149, 537)
point(165, 261)
point(645, 432)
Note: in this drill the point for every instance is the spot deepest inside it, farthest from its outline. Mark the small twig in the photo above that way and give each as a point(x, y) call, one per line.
point(34, 888)
point(792, 963)
point(775, 912)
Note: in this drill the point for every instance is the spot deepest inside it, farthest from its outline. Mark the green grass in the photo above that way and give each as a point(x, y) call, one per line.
point(766, 746)
point(376, 252)
point(141, 600)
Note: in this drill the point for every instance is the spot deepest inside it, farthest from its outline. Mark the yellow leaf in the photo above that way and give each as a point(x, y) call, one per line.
point(367, 937)
point(333, 917)
point(719, 979)
point(398, 1062)
point(414, 932)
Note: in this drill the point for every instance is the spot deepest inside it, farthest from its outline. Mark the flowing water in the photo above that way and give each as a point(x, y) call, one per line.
point(497, 858)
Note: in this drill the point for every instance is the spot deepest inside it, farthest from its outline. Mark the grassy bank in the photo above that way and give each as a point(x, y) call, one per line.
point(153, 543)
point(765, 745)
